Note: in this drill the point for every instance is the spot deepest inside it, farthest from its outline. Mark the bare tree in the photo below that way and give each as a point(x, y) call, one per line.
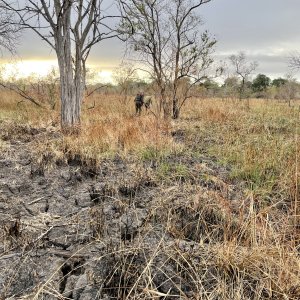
point(166, 35)
point(294, 62)
point(9, 32)
point(71, 28)
point(243, 69)
point(288, 91)
point(124, 76)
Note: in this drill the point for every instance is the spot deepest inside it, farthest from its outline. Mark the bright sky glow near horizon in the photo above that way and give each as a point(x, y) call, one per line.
point(25, 68)
point(268, 31)
point(41, 68)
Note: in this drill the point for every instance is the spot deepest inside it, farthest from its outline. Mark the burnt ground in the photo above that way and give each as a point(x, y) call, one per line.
point(126, 229)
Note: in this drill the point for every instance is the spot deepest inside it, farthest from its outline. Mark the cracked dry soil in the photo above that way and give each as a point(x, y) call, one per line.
point(116, 232)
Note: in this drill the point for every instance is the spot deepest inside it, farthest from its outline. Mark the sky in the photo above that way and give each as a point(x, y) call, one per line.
point(268, 31)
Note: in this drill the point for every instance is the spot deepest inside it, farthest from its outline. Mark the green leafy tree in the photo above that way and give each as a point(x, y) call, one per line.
point(211, 87)
point(261, 83)
point(278, 82)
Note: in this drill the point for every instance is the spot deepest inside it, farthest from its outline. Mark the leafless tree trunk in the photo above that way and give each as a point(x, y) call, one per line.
point(74, 26)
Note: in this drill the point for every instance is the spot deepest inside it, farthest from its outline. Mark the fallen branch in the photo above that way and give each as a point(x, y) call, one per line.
point(21, 93)
point(95, 90)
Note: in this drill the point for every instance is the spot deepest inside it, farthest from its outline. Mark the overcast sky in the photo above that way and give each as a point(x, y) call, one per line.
point(267, 30)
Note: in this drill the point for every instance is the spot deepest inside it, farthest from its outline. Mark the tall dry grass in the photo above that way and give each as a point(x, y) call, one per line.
point(108, 127)
point(260, 144)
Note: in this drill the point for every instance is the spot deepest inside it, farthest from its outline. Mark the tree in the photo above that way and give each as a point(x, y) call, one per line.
point(49, 88)
point(243, 69)
point(230, 87)
point(124, 76)
point(71, 28)
point(278, 82)
point(166, 36)
point(211, 87)
point(261, 83)
point(294, 61)
point(9, 31)
point(289, 89)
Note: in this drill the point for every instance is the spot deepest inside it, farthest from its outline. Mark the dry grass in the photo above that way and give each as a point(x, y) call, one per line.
point(222, 249)
point(261, 144)
point(108, 128)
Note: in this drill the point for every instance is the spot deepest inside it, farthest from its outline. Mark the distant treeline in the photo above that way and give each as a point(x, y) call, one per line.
point(46, 90)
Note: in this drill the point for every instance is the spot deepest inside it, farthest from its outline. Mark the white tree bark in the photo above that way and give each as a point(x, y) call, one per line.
point(70, 78)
